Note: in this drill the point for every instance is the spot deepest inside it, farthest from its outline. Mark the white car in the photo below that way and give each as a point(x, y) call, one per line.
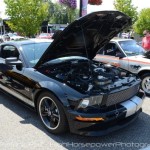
point(11, 36)
point(127, 54)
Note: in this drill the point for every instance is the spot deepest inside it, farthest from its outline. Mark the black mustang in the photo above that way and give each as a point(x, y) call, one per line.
point(65, 86)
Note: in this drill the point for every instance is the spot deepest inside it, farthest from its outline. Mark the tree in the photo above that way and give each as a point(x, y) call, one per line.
point(143, 22)
point(127, 8)
point(26, 16)
point(61, 14)
point(70, 3)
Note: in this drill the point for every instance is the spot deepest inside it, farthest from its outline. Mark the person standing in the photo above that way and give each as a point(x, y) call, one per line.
point(146, 40)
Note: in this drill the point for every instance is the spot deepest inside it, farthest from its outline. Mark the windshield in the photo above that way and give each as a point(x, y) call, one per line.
point(34, 51)
point(12, 34)
point(131, 48)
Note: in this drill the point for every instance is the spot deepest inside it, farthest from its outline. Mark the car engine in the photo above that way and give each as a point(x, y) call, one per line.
point(88, 76)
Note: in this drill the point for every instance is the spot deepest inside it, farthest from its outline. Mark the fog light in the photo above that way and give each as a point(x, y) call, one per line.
point(89, 119)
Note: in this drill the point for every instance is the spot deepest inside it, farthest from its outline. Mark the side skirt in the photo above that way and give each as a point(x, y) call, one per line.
point(17, 95)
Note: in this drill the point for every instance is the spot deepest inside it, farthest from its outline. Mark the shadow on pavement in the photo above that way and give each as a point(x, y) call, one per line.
point(134, 137)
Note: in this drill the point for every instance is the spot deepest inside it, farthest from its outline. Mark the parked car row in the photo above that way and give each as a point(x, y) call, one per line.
point(10, 36)
point(67, 88)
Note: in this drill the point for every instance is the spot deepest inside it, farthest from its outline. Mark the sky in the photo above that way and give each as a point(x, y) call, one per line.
point(106, 5)
point(2, 9)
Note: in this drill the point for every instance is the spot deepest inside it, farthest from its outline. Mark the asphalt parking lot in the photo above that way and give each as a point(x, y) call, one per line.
point(20, 128)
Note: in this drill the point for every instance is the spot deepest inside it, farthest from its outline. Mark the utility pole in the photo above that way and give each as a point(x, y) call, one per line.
point(80, 9)
point(83, 8)
point(1, 22)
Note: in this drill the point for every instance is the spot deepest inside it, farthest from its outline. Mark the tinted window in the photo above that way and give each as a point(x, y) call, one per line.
point(33, 52)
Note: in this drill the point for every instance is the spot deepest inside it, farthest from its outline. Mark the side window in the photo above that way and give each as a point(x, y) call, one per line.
point(111, 49)
point(9, 51)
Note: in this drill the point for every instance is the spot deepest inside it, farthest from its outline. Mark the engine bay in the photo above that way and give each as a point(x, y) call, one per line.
point(88, 76)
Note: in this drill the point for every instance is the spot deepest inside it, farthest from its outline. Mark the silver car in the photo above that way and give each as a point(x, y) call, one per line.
point(127, 54)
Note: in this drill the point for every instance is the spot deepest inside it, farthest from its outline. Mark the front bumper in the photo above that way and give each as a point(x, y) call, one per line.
point(114, 119)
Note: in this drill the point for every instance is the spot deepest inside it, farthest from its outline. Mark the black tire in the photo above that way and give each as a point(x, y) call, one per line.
point(145, 84)
point(51, 113)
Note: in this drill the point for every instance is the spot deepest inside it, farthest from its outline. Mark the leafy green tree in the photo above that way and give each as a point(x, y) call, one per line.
point(61, 14)
point(143, 22)
point(127, 8)
point(26, 16)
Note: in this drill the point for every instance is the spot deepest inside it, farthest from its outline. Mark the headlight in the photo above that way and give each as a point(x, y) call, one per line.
point(91, 101)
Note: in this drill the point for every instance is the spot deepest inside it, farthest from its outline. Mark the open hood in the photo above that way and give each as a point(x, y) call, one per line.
point(85, 36)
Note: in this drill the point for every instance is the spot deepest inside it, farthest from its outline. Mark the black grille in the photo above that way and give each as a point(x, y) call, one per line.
point(122, 95)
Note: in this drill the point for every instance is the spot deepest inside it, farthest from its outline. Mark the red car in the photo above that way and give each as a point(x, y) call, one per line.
point(44, 36)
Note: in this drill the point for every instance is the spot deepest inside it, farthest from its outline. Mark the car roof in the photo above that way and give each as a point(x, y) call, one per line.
point(27, 41)
point(116, 39)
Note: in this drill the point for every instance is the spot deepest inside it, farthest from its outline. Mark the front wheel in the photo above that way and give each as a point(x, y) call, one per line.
point(145, 84)
point(51, 113)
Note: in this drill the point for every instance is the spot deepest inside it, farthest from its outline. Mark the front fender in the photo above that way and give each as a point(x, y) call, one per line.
point(144, 69)
point(61, 91)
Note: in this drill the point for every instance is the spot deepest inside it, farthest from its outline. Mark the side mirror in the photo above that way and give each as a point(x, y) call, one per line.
point(14, 61)
point(120, 55)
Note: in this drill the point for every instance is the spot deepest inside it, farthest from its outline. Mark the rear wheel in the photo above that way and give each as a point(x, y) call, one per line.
point(145, 84)
point(51, 113)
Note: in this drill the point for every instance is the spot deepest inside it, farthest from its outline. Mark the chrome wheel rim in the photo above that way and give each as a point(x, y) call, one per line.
point(49, 113)
point(146, 84)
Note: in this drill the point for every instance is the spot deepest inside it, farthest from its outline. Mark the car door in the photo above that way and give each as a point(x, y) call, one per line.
point(6, 51)
point(111, 53)
point(108, 55)
point(12, 77)
point(135, 64)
